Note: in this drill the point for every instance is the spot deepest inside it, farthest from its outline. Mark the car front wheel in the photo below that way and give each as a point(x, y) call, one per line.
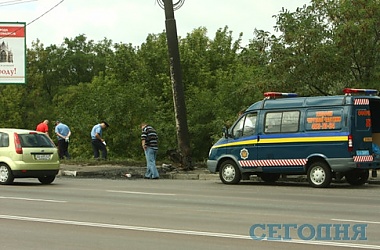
point(6, 176)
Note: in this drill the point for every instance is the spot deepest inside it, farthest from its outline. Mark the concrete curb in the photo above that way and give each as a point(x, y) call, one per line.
point(176, 176)
point(118, 172)
point(136, 172)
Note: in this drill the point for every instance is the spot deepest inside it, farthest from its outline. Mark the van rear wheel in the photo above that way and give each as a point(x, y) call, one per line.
point(229, 173)
point(357, 177)
point(319, 175)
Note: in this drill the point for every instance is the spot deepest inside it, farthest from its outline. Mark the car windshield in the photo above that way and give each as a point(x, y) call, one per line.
point(35, 141)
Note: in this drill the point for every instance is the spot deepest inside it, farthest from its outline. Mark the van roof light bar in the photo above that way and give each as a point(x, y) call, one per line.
point(274, 95)
point(350, 91)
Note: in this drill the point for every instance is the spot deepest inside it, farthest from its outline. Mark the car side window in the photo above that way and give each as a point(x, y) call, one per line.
point(4, 140)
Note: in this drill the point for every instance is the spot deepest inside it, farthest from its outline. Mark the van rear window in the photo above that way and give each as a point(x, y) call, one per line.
point(324, 119)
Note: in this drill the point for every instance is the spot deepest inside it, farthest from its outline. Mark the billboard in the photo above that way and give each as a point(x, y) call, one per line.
point(12, 53)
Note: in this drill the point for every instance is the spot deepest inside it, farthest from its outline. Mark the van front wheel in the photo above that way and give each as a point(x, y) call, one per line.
point(319, 175)
point(229, 173)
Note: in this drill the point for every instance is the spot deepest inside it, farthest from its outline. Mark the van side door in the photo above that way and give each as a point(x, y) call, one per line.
point(375, 122)
point(361, 129)
point(278, 149)
point(244, 139)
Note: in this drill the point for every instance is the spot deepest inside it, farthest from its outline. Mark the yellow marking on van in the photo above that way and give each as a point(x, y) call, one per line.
point(304, 139)
point(236, 143)
point(285, 140)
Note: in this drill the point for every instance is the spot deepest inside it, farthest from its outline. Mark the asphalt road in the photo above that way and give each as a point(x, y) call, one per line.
point(75, 213)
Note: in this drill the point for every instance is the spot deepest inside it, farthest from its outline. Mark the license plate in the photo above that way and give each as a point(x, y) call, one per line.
point(42, 157)
point(362, 152)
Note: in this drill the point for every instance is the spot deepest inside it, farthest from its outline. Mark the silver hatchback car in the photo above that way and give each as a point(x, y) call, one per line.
point(27, 154)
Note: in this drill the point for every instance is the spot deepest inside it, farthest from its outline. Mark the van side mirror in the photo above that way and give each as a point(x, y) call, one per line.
point(225, 132)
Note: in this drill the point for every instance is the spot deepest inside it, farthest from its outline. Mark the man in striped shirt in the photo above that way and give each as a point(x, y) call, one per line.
point(149, 142)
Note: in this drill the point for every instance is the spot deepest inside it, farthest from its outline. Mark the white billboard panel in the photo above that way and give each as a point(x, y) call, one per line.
point(12, 53)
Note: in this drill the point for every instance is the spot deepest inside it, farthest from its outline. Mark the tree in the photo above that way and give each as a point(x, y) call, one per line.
point(355, 26)
point(327, 46)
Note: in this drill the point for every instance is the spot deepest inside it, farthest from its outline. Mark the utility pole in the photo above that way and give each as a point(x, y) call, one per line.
point(176, 79)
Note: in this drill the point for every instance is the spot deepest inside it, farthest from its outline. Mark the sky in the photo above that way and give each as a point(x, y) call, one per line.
point(131, 21)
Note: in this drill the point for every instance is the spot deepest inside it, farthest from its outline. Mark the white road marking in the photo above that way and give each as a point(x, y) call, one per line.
point(182, 232)
point(143, 193)
point(30, 199)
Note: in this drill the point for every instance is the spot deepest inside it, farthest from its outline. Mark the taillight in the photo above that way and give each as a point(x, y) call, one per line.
point(17, 144)
point(350, 143)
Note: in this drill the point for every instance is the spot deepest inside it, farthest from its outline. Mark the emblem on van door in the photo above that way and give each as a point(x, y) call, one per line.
point(244, 153)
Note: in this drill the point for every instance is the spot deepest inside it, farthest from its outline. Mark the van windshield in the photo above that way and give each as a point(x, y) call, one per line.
point(245, 126)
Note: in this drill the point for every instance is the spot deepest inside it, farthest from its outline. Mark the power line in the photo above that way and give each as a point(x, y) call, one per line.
point(55, 6)
point(176, 5)
point(14, 2)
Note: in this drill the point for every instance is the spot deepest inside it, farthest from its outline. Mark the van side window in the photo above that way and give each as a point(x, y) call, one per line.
point(282, 122)
point(290, 121)
point(324, 119)
point(245, 126)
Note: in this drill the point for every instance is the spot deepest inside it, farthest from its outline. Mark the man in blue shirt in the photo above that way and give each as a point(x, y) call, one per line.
point(97, 141)
point(63, 134)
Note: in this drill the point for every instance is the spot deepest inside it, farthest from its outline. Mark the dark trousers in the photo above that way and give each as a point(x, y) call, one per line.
point(97, 146)
point(63, 149)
